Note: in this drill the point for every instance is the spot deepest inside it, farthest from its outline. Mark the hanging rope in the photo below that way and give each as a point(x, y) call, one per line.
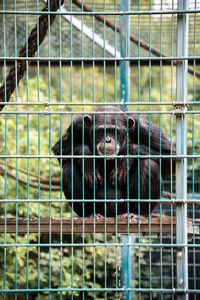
point(35, 39)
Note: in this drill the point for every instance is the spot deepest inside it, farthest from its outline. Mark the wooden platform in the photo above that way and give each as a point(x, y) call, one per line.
point(143, 225)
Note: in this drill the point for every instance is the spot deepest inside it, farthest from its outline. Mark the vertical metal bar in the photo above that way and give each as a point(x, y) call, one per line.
point(181, 149)
point(125, 52)
point(5, 187)
point(125, 93)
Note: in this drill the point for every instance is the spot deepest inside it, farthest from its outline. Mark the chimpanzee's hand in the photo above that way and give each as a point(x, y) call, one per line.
point(120, 173)
point(89, 175)
point(99, 179)
point(88, 172)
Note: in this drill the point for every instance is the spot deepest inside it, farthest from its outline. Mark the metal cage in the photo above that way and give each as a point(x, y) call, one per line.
point(62, 59)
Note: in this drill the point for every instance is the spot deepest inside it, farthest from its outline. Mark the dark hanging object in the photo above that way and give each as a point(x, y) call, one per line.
point(35, 39)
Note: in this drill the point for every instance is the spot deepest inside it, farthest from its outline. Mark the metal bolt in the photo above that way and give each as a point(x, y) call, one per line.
point(46, 107)
point(181, 281)
point(62, 106)
point(180, 254)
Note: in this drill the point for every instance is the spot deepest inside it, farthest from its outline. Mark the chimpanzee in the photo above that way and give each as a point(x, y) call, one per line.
point(115, 173)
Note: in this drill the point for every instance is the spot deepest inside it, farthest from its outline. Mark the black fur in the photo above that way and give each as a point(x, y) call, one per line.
point(145, 175)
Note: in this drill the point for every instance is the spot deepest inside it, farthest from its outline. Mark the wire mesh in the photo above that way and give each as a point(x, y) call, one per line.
point(99, 239)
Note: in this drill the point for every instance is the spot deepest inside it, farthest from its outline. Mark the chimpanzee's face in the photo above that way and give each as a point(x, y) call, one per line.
point(109, 133)
point(107, 140)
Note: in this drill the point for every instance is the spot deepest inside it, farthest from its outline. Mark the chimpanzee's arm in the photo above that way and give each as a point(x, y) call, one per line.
point(75, 142)
point(167, 164)
point(76, 191)
point(77, 173)
point(145, 182)
point(146, 138)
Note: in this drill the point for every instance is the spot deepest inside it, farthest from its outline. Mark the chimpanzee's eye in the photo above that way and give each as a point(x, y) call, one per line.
point(112, 131)
point(99, 132)
point(104, 131)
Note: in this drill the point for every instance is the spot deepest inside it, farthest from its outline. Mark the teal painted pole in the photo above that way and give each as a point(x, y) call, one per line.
point(125, 53)
point(124, 94)
point(181, 149)
point(127, 266)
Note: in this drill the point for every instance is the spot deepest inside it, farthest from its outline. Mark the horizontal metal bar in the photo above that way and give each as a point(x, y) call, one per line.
point(86, 244)
point(85, 200)
point(108, 63)
point(192, 156)
point(153, 112)
point(48, 104)
point(104, 59)
point(103, 290)
point(105, 13)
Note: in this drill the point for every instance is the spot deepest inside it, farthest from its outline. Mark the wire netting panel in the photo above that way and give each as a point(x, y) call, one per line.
point(99, 149)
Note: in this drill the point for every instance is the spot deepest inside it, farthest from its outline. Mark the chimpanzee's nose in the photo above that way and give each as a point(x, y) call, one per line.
point(108, 139)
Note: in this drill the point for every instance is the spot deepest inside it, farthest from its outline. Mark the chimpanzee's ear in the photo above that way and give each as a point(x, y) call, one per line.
point(131, 122)
point(88, 120)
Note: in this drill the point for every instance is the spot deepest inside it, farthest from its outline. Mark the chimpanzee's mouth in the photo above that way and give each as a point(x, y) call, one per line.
point(107, 152)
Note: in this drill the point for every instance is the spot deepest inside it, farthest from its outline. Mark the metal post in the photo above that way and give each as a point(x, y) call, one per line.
point(181, 149)
point(124, 93)
point(127, 266)
point(125, 52)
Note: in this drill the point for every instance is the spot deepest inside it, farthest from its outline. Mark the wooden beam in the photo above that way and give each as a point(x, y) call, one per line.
point(143, 225)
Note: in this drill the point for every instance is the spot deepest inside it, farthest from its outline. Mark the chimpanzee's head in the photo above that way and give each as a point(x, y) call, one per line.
point(108, 128)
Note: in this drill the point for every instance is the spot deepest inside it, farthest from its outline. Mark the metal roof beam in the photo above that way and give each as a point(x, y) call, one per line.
point(87, 31)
